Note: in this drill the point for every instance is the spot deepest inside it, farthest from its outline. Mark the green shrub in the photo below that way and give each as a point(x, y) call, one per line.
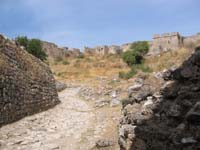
point(33, 46)
point(65, 62)
point(129, 74)
point(144, 68)
point(22, 41)
point(136, 53)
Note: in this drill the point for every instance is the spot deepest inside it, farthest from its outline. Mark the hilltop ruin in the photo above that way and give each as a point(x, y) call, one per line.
point(159, 44)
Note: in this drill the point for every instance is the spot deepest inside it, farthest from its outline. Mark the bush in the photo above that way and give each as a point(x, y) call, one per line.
point(33, 46)
point(22, 41)
point(129, 74)
point(136, 53)
point(144, 68)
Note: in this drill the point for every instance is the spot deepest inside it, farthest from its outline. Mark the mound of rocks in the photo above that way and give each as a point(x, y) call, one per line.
point(168, 118)
point(27, 85)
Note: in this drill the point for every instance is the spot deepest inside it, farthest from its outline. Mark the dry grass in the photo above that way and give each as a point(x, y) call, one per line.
point(168, 59)
point(88, 67)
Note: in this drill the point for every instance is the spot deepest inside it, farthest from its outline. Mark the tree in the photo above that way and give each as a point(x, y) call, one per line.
point(136, 53)
point(23, 41)
point(33, 46)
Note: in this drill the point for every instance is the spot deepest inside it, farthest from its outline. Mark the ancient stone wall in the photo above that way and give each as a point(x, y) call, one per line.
point(103, 50)
point(126, 47)
point(191, 41)
point(165, 42)
point(27, 85)
point(53, 51)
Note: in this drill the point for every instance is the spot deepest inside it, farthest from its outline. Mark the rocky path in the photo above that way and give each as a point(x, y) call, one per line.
point(71, 125)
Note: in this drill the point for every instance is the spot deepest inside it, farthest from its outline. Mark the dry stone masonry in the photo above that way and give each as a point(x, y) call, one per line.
point(27, 85)
point(172, 41)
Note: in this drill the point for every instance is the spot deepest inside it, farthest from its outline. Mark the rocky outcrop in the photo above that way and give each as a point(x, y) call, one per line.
point(27, 85)
point(168, 118)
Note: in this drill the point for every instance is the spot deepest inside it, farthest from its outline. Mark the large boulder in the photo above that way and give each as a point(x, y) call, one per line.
point(27, 85)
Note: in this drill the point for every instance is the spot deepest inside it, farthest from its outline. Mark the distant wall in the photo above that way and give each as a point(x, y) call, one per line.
point(192, 41)
point(27, 85)
point(165, 42)
point(52, 50)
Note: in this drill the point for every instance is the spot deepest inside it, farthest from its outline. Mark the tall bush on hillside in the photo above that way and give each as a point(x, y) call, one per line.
point(136, 53)
point(134, 58)
point(23, 41)
point(33, 46)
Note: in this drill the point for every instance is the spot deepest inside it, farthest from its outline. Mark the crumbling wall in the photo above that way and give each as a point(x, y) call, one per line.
point(165, 42)
point(53, 51)
point(192, 41)
point(27, 85)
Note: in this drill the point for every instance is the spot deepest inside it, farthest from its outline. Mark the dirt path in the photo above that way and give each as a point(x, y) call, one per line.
point(72, 125)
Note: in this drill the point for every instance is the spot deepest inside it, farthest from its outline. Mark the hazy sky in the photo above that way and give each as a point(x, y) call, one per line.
point(79, 23)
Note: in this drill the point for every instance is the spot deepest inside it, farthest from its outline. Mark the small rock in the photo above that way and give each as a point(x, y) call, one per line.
point(174, 111)
point(148, 102)
point(115, 102)
point(60, 86)
point(188, 140)
point(114, 94)
point(101, 103)
point(193, 116)
point(104, 143)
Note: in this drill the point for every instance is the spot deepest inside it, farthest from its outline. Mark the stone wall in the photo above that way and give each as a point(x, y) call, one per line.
point(165, 42)
point(54, 52)
point(27, 85)
point(191, 41)
point(103, 50)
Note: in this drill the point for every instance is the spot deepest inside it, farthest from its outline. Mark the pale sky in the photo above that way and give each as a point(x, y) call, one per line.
point(79, 23)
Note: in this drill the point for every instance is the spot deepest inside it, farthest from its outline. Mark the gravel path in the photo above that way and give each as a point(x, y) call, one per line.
point(59, 128)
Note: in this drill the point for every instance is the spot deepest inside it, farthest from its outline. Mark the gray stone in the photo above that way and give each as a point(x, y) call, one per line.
point(60, 86)
point(115, 102)
point(193, 116)
point(104, 143)
point(188, 140)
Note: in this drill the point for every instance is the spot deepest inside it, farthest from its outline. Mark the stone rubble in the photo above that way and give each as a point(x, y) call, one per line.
point(167, 118)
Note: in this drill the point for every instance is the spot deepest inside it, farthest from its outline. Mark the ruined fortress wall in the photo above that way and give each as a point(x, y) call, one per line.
point(27, 85)
point(52, 50)
point(191, 41)
point(165, 42)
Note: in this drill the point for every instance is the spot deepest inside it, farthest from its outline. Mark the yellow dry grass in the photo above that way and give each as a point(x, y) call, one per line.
point(168, 59)
point(88, 67)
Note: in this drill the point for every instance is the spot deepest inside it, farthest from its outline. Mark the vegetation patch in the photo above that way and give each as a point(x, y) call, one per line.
point(33, 46)
point(134, 58)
